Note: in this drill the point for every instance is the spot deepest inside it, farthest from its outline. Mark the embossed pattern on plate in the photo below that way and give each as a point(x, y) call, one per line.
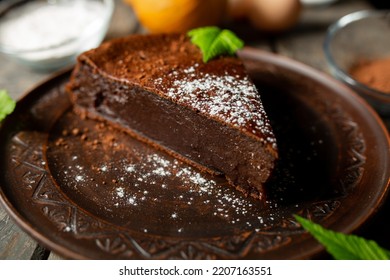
point(86, 190)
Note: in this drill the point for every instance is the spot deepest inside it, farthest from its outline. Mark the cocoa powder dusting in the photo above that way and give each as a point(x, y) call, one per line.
point(374, 73)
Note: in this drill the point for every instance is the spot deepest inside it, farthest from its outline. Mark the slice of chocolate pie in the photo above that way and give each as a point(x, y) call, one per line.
point(157, 88)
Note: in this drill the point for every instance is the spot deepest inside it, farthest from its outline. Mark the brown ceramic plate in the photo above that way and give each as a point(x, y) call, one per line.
point(85, 190)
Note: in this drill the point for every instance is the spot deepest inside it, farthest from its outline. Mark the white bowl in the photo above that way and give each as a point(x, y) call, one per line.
point(48, 35)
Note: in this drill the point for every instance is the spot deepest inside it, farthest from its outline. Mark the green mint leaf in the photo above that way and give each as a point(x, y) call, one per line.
point(7, 104)
point(342, 246)
point(214, 41)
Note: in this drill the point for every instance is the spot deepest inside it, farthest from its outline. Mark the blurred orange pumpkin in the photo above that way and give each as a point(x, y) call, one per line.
point(169, 16)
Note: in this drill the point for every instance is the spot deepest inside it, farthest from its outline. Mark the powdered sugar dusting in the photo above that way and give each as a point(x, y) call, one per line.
point(156, 170)
point(229, 97)
point(147, 190)
point(153, 180)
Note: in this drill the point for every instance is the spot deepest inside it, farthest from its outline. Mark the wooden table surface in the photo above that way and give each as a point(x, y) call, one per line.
point(303, 43)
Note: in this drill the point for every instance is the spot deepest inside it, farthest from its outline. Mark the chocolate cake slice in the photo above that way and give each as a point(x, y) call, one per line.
point(157, 88)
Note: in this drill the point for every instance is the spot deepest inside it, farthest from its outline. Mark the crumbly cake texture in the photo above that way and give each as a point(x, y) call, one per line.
point(158, 89)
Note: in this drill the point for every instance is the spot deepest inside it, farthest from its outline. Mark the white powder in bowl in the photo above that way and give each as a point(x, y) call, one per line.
point(42, 30)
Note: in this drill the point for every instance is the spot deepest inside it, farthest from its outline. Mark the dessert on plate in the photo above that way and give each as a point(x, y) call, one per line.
point(158, 89)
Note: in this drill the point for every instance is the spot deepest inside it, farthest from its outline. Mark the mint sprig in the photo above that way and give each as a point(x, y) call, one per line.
point(343, 246)
point(7, 104)
point(214, 41)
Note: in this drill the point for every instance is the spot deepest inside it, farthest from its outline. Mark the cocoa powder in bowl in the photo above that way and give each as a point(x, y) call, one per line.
point(373, 73)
